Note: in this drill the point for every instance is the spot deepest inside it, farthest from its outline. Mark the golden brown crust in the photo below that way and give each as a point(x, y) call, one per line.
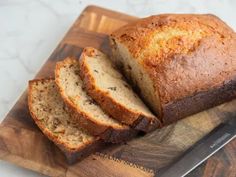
point(138, 35)
point(71, 154)
point(200, 57)
point(134, 119)
point(107, 133)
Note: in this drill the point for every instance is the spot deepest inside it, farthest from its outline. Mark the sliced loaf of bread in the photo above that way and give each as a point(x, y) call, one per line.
point(47, 109)
point(83, 108)
point(107, 86)
point(180, 64)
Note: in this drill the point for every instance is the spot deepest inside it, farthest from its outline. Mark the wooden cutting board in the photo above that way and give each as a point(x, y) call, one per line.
point(22, 143)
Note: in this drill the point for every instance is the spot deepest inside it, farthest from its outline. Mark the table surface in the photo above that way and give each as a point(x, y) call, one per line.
point(31, 29)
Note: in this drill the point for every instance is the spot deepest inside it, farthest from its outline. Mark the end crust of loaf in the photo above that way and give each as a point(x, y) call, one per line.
point(72, 154)
point(115, 134)
point(136, 120)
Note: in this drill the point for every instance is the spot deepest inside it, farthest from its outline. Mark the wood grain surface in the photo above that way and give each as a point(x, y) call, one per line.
point(22, 143)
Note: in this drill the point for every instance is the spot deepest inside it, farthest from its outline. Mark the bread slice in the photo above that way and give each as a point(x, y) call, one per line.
point(107, 86)
point(47, 109)
point(84, 109)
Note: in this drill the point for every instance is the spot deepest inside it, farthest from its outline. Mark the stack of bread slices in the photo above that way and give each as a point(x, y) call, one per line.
point(89, 102)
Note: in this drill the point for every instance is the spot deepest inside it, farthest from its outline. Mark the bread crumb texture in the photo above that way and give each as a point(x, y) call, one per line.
point(72, 88)
point(48, 108)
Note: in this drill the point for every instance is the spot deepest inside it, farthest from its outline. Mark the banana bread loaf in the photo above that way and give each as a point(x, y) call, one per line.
point(180, 64)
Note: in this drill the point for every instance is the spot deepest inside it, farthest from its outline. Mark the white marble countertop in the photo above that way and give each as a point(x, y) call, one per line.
point(31, 29)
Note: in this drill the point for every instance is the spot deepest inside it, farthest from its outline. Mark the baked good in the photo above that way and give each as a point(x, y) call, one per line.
point(83, 108)
point(47, 109)
point(109, 89)
point(180, 64)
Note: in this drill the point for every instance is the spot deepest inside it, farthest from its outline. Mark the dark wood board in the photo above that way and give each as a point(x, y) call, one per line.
point(22, 143)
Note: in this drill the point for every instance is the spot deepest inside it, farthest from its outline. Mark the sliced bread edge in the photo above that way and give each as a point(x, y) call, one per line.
point(72, 155)
point(107, 133)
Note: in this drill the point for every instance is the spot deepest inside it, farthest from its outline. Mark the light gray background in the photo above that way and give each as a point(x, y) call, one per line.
point(31, 29)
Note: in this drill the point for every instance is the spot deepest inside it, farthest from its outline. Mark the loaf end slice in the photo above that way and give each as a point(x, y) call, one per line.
point(48, 111)
point(106, 85)
point(84, 109)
